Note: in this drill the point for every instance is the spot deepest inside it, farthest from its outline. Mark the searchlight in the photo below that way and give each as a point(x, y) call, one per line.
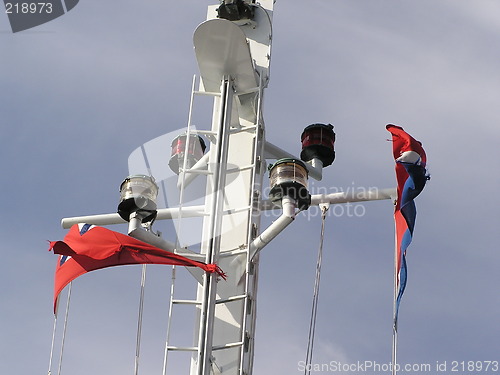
point(191, 148)
point(288, 178)
point(318, 142)
point(138, 194)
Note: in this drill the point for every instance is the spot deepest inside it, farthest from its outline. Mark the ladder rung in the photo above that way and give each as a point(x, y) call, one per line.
point(246, 167)
point(183, 348)
point(236, 210)
point(206, 132)
point(227, 346)
point(230, 253)
point(231, 299)
point(209, 93)
point(243, 129)
point(197, 171)
point(185, 302)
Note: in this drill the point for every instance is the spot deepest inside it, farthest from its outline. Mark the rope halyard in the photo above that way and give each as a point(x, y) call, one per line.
point(51, 356)
point(170, 311)
point(139, 320)
point(63, 339)
point(312, 325)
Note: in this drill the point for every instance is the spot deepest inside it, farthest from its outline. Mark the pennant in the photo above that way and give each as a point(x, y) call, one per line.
point(88, 247)
point(411, 175)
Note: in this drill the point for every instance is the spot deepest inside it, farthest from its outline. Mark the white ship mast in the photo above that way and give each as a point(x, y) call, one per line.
point(233, 49)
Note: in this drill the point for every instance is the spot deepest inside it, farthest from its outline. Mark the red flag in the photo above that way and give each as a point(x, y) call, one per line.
point(87, 248)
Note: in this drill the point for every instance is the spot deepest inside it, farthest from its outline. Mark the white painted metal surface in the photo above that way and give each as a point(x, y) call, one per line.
point(354, 196)
point(221, 50)
point(227, 314)
point(275, 228)
point(236, 68)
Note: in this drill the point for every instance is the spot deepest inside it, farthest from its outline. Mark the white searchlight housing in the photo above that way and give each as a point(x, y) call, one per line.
point(138, 194)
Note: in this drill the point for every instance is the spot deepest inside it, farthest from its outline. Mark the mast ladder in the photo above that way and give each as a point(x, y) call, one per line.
point(231, 321)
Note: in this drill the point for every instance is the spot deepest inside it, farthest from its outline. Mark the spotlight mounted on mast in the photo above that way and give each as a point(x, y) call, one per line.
point(236, 10)
point(191, 148)
point(138, 195)
point(288, 178)
point(318, 144)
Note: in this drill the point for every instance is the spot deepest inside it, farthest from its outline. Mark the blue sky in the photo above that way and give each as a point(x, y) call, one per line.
point(79, 94)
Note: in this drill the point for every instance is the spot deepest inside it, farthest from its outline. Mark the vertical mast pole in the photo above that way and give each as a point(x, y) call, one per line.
point(233, 58)
point(214, 229)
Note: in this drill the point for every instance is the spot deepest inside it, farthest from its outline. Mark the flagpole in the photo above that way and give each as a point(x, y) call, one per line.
point(394, 342)
point(394, 302)
point(394, 348)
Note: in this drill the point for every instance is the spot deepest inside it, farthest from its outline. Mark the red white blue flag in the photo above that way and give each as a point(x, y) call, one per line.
point(411, 177)
point(88, 247)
